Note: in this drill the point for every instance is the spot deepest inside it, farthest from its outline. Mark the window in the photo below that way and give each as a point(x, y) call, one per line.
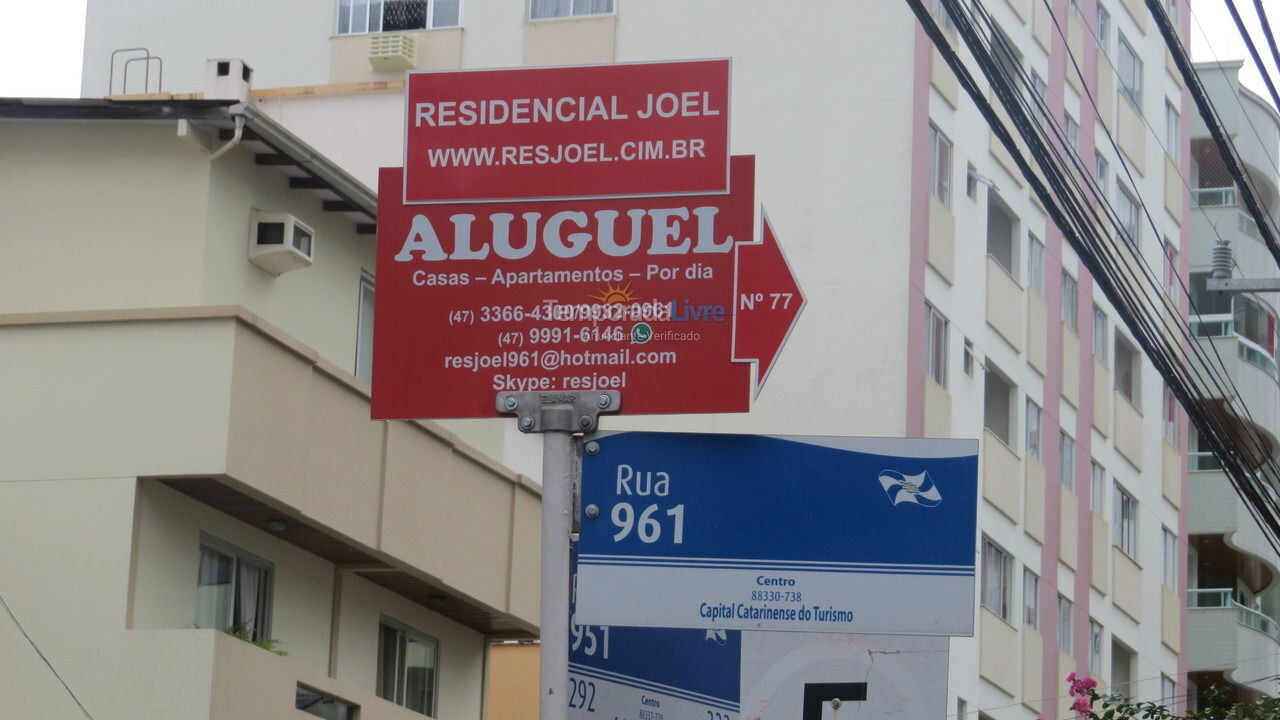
point(1035, 263)
point(1071, 133)
point(1170, 417)
point(364, 329)
point(943, 17)
point(540, 9)
point(1171, 280)
point(1129, 68)
point(998, 408)
point(1008, 58)
point(1171, 9)
point(1070, 304)
point(1170, 559)
point(233, 591)
point(1128, 370)
point(971, 181)
point(1040, 92)
point(1121, 668)
point(1064, 624)
point(1095, 648)
point(323, 705)
point(962, 708)
point(1172, 132)
point(1100, 334)
point(968, 357)
point(371, 16)
point(1126, 523)
point(1033, 429)
point(1002, 234)
point(1100, 168)
point(939, 165)
point(1097, 488)
point(1127, 215)
point(1030, 599)
point(1066, 460)
point(407, 667)
point(1168, 691)
point(1103, 29)
point(997, 579)
point(935, 345)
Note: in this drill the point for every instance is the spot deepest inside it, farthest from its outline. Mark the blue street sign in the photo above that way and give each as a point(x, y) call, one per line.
point(627, 673)
point(817, 534)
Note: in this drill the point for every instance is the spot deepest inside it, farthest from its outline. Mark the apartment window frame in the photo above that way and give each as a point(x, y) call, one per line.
point(364, 327)
point(1172, 132)
point(1101, 335)
point(1070, 311)
point(1035, 263)
point(1066, 460)
point(997, 579)
point(399, 681)
point(1097, 488)
point(234, 619)
point(1101, 168)
point(1129, 73)
point(1071, 133)
point(1169, 566)
point(1169, 418)
point(1034, 435)
point(1125, 522)
point(1064, 624)
point(1030, 599)
point(1172, 283)
point(573, 9)
point(1128, 370)
point(1128, 216)
point(941, 165)
point(370, 7)
point(937, 342)
point(966, 361)
point(1096, 638)
point(1102, 29)
point(324, 705)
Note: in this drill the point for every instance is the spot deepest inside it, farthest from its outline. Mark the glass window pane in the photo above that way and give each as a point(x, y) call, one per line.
point(387, 655)
point(592, 7)
point(375, 16)
point(214, 589)
point(549, 8)
point(344, 17)
point(364, 331)
point(404, 15)
point(360, 16)
point(251, 598)
point(419, 673)
point(446, 13)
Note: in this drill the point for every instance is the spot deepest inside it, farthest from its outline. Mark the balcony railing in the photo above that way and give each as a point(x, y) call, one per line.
point(1213, 197)
point(1203, 461)
point(1222, 598)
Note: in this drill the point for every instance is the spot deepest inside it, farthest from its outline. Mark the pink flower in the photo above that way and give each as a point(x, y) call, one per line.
point(1082, 705)
point(1072, 677)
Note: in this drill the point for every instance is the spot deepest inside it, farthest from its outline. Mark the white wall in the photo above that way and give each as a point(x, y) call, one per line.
point(286, 42)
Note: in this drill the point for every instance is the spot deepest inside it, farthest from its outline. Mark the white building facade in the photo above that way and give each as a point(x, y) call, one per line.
point(942, 301)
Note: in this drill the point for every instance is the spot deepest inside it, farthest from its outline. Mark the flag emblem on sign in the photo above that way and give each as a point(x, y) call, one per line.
point(918, 489)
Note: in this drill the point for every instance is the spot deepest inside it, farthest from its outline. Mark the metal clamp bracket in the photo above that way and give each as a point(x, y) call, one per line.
point(559, 411)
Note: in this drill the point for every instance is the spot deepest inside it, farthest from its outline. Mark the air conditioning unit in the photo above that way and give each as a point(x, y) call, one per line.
point(280, 242)
point(393, 53)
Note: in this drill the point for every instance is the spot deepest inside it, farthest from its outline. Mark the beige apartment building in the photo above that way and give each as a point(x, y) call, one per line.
point(197, 517)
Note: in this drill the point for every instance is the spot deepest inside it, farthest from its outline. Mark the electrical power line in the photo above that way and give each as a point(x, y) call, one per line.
point(48, 664)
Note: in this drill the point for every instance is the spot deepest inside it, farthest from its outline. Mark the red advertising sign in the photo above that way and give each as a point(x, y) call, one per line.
point(638, 295)
point(644, 129)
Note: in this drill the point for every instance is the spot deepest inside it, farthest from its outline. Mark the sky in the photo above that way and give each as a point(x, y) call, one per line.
point(47, 64)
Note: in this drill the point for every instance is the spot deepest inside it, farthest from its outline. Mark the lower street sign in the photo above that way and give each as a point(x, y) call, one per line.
point(629, 673)
point(819, 534)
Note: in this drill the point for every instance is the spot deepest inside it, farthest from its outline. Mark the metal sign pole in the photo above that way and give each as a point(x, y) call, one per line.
point(557, 415)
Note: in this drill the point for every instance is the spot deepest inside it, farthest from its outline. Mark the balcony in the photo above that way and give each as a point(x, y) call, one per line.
point(206, 673)
point(1004, 303)
point(1226, 636)
point(232, 412)
point(1253, 372)
point(1223, 526)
